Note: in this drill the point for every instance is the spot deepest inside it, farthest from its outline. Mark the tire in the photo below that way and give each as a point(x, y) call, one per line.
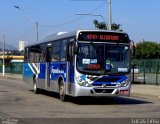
point(62, 95)
point(35, 88)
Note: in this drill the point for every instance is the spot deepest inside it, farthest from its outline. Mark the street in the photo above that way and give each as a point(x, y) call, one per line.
point(17, 100)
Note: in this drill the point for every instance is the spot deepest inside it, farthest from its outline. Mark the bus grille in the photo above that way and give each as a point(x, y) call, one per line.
point(103, 90)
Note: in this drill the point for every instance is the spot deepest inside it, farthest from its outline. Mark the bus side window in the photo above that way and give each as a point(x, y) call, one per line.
point(63, 50)
point(43, 52)
point(56, 51)
point(48, 55)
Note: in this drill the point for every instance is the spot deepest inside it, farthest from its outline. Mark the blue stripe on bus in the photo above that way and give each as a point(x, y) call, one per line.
point(56, 69)
point(71, 77)
point(109, 80)
point(27, 72)
point(42, 71)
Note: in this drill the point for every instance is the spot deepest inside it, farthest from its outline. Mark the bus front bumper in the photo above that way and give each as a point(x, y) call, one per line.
point(100, 91)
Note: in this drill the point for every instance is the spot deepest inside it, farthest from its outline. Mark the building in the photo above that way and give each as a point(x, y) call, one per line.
point(22, 45)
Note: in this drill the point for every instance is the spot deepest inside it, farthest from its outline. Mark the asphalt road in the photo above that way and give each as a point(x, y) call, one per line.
point(17, 100)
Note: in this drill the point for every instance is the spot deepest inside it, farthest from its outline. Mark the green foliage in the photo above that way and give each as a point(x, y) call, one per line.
point(147, 50)
point(104, 26)
point(100, 25)
point(116, 27)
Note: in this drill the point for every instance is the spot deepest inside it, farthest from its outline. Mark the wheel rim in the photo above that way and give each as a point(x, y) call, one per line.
point(35, 87)
point(61, 90)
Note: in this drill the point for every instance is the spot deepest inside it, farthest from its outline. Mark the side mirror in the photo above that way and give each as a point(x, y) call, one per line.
point(133, 66)
point(133, 48)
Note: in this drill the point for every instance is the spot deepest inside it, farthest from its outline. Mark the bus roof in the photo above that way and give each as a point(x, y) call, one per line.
point(61, 35)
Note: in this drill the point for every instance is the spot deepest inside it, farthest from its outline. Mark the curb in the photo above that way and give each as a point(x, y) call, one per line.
point(141, 95)
point(12, 76)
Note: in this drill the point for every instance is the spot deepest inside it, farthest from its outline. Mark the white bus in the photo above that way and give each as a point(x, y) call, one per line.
point(80, 63)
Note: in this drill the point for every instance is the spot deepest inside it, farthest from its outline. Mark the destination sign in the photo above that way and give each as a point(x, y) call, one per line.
point(104, 37)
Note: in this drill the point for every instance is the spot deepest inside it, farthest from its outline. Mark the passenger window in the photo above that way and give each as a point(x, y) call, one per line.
point(56, 51)
point(63, 50)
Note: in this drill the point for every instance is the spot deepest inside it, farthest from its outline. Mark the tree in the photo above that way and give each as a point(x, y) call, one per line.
point(104, 26)
point(147, 50)
point(100, 25)
point(116, 27)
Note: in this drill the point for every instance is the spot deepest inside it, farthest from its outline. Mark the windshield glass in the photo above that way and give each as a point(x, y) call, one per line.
point(103, 58)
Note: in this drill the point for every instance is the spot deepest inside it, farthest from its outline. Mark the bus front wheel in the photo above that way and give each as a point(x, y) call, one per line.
point(62, 95)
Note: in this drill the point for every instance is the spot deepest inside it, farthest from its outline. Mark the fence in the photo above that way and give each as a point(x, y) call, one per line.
point(146, 71)
point(13, 68)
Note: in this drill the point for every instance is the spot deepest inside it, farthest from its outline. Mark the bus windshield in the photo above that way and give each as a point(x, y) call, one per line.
point(102, 59)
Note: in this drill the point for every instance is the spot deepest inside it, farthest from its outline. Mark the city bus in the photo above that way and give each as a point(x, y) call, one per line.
point(80, 63)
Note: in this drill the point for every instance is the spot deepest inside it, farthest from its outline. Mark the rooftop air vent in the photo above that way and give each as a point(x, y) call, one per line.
point(60, 33)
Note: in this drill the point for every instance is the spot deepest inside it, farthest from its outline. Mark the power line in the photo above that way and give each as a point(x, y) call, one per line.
point(65, 23)
point(74, 20)
point(27, 32)
point(24, 34)
point(30, 19)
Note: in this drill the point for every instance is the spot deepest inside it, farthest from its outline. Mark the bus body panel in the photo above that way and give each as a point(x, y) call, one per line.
point(28, 73)
point(102, 87)
point(48, 74)
point(56, 71)
point(89, 91)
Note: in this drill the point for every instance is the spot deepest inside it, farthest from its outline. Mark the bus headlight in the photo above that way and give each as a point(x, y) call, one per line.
point(125, 82)
point(82, 82)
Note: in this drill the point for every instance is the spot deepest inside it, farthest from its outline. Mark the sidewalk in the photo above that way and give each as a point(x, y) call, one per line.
point(136, 89)
point(12, 76)
point(144, 89)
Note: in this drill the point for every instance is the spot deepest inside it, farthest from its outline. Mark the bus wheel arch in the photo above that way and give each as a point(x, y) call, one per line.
point(62, 95)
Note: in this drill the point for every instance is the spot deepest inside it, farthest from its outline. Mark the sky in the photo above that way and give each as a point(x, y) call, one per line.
point(139, 18)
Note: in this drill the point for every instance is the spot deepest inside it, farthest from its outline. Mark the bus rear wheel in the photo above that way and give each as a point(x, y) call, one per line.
point(35, 88)
point(62, 95)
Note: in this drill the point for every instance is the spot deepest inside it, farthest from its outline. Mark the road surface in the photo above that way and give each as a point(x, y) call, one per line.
point(17, 100)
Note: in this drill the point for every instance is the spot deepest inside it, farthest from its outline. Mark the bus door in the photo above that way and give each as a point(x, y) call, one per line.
point(48, 60)
point(70, 69)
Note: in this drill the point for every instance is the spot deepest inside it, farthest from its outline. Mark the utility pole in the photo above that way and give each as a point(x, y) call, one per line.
point(3, 66)
point(110, 14)
point(31, 20)
point(37, 30)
